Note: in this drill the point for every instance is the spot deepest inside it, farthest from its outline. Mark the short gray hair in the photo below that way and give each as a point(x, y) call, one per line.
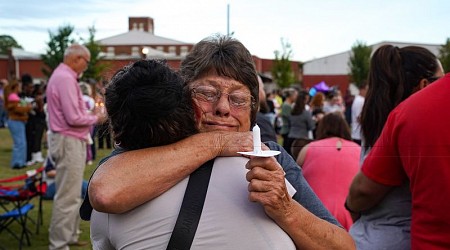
point(76, 49)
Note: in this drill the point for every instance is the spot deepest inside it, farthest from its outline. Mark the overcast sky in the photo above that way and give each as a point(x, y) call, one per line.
point(314, 28)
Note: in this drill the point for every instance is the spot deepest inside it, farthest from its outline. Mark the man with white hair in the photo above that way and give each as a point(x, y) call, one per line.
point(69, 124)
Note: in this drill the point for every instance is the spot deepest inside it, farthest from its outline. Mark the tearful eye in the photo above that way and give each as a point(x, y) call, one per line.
point(211, 95)
point(239, 100)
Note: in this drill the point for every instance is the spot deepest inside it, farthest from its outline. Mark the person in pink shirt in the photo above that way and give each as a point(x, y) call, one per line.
point(69, 124)
point(330, 163)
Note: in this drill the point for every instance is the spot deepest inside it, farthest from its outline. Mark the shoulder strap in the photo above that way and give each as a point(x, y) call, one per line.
point(191, 208)
point(86, 207)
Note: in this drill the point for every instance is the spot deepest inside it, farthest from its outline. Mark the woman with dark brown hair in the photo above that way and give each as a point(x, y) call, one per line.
point(300, 124)
point(330, 163)
point(384, 219)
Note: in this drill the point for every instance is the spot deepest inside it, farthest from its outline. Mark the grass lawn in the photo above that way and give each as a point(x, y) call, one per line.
point(38, 241)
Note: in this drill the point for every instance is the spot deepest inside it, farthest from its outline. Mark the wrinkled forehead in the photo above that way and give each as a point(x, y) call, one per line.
point(220, 82)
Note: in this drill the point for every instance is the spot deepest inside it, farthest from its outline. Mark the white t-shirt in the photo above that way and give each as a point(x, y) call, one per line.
point(229, 220)
point(357, 106)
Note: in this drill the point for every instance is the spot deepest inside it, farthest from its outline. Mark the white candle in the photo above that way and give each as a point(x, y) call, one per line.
point(257, 145)
point(256, 139)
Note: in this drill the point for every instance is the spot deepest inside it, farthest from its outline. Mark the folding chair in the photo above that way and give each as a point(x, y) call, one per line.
point(20, 216)
point(30, 185)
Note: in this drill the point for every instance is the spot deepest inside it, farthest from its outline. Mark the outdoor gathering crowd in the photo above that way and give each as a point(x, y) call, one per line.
point(368, 171)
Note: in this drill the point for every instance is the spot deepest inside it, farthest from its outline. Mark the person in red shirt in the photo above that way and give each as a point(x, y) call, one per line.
point(414, 146)
point(395, 74)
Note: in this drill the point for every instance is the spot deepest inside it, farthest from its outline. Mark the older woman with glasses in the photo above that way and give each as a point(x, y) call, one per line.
point(221, 77)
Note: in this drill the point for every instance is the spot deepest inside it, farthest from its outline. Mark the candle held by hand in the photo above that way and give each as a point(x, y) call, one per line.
point(257, 149)
point(256, 139)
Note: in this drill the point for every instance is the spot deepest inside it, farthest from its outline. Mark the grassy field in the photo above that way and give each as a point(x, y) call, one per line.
point(38, 241)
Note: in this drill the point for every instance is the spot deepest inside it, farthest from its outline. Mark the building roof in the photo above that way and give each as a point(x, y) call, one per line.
point(337, 64)
point(138, 37)
point(22, 54)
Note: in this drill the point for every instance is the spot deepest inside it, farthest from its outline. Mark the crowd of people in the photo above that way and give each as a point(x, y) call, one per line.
point(350, 174)
point(23, 113)
point(39, 114)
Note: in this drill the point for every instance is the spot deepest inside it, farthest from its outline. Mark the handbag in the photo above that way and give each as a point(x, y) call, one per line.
point(191, 208)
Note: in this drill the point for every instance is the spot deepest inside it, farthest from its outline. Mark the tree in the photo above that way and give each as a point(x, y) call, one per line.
point(56, 47)
point(359, 62)
point(7, 42)
point(95, 69)
point(281, 70)
point(444, 55)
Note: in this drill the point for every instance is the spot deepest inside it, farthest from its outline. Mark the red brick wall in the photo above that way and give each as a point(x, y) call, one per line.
point(148, 23)
point(114, 65)
point(32, 67)
point(265, 65)
point(4, 69)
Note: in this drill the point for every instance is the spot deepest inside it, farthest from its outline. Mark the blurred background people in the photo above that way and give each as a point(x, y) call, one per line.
point(330, 163)
point(90, 105)
point(300, 124)
point(36, 124)
point(49, 178)
point(316, 106)
point(3, 83)
point(102, 132)
point(263, 118)
point(348, 101)
point(334, 102)
point(356, 109)
point(286, 109)
point(17, 110)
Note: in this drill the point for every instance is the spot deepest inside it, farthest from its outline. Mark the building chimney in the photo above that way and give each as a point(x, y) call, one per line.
point(141, 23)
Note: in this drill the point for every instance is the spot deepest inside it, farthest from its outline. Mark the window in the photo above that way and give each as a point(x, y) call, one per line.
point(183, 50)
point(135, 51)
point(173, 50)
point(110, 51)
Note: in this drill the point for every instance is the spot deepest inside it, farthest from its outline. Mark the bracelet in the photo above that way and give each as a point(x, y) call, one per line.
point(348, 209)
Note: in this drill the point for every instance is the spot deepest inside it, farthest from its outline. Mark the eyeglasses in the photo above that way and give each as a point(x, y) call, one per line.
point(237, 100)
point(86, 60)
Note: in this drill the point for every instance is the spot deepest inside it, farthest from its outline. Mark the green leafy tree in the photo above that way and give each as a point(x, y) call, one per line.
point(359, 62)
point(281, 70)
point(56, 46)
point(444, 55)
point(95, 68)
point(7, 42)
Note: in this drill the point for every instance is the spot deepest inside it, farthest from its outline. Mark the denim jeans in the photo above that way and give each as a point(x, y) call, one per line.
point(19, 152)
point(2, 116)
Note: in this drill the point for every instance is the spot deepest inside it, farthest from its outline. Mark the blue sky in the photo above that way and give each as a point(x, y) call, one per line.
point(314, 28)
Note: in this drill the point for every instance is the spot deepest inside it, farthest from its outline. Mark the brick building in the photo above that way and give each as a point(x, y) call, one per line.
point(119, 50)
